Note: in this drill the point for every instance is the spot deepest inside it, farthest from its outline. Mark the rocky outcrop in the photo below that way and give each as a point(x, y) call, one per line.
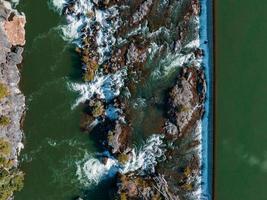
point(178, 176)
point(119, 139)
point(186, 102)
point(12, 101)
point(137, 36)
point(132, 186)
point(12, 105)
point(15, 31)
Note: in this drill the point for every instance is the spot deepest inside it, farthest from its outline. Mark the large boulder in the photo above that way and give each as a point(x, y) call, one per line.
point(186, 101)
point(15, 30)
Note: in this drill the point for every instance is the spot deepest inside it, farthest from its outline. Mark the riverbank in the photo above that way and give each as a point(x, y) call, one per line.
point(12, 101)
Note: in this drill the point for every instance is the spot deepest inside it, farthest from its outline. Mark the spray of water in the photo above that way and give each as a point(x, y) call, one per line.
point(91, 170)
point(107, 87)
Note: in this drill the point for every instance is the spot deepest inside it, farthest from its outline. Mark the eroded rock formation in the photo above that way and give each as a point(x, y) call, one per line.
point(12, 101)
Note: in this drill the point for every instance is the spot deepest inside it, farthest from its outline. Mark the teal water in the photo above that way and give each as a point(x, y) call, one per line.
point(241, 157)
point(53, 140)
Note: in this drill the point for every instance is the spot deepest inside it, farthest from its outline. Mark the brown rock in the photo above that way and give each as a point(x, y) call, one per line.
point(15, 30)
point(187, 100)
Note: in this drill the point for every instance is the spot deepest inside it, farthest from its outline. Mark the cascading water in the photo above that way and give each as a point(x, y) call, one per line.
point(91, 170)
point(107, 87)
point(84, 17)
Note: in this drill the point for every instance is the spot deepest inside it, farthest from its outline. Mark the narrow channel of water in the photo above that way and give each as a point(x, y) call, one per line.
point(54, 142)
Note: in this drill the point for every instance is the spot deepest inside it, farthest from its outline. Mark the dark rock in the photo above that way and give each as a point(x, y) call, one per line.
point(104, 160)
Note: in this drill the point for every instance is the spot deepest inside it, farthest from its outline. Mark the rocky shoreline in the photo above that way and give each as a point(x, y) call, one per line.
point(118, 37)
point(12, 101)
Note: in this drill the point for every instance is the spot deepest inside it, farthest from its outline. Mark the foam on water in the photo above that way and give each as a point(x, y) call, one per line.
point(106, 86)
point(172, 61)
point(91, 170)
point(58, 5)
point(71, 32)
point(79, 18)
point(146, 158)
point(15, 2)
point(175, 59)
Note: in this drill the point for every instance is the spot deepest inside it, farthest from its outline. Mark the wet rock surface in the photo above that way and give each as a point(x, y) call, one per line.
point(177, 177)
point(133, 36)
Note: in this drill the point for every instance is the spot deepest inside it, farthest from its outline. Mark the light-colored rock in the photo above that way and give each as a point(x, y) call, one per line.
point(15, 30)
point(13, 105)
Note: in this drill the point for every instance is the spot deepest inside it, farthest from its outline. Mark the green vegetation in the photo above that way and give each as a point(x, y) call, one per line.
point(98, 109)
point(187, 187)
point(123, 196)
point(123, 158)
point(11, 179)
point(187, 172)
point(3, 91)
point(5, 147)
point(4, 121)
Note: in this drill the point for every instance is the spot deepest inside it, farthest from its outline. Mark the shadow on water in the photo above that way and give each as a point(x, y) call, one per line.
point(101, 191)
point(76, 69)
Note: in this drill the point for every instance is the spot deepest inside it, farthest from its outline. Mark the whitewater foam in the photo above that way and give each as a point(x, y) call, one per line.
point(15, 2)
point(58, 5)
point(91, 170)
point(79, 18)
point(106, 86)
point(145, 159)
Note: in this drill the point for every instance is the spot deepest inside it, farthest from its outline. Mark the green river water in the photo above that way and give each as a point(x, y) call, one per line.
point(241, 156)
point(53, 141)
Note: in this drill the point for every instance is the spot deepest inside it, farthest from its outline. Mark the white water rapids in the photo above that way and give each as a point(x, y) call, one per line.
point(91, 170)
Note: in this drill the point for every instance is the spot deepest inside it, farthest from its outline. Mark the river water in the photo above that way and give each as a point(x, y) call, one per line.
point(241, 157)
point(55, 147)
point(53, 141)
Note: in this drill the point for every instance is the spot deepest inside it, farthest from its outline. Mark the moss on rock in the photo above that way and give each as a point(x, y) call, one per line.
point(3, 91)
point(4, 121)
point(11, 179)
